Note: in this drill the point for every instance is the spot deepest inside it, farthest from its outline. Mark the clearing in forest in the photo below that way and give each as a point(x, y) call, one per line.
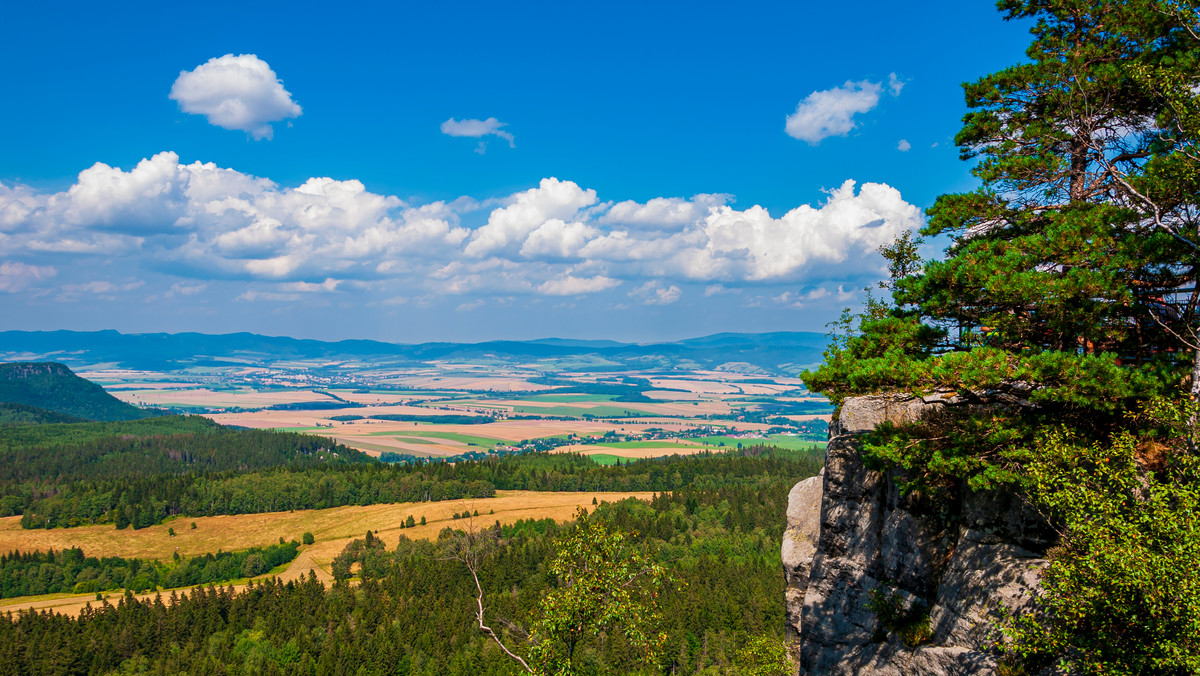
point(333, 529)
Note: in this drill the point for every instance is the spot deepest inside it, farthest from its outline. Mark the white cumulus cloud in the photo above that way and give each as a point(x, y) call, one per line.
point(904, 146)
point(207, 225)
point(831, 112)
point(662, 211)
point(235, 92)
point(527, 212)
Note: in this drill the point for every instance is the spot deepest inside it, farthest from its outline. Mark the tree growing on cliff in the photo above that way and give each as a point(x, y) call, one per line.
point(1071, 277)
point(1067, 301)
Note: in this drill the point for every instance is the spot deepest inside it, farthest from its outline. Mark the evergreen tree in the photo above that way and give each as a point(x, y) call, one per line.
point(1065, 310)
point(1070, 280)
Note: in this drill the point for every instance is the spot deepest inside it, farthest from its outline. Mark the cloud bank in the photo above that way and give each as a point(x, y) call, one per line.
point(199, 223)
point(235, 92)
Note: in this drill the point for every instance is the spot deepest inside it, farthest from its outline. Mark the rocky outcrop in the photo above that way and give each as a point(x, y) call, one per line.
point(800, 544)
point(963, 559)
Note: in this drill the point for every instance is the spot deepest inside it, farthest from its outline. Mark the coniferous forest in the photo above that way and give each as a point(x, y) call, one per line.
point(410, 607)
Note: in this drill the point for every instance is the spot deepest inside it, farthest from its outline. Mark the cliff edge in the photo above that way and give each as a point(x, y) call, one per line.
point(940, 572)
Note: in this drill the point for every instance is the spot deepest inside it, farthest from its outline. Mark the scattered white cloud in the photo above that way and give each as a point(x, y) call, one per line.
point(16, 276)
point(831, 112)
point(470, 305)
point(472, 128)
point(184, 289)
point(569, 285)
point(904, 146)
point(253, 295)
point(326, 286)
point(797, 300)
point(235, 92)
point(207, 224)
point(103, 289)
point(655, 292)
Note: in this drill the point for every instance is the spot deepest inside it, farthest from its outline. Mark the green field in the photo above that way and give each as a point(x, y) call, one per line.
point(606, 459)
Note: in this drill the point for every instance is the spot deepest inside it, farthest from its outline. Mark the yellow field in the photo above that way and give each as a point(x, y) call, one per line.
point(333, 529)
point(209, 398)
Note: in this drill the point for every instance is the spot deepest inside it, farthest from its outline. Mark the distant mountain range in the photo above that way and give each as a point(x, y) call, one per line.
point(779, 353)
point(48, 392)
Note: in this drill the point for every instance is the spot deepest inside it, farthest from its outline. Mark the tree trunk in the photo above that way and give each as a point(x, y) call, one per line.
point(1194, 419)
point(1196, 380)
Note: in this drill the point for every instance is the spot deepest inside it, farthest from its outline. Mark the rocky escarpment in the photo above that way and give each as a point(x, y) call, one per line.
point(853, 538)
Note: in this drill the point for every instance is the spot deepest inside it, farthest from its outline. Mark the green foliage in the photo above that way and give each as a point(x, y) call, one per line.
point(308, 538)
point(141, 481)
point(18, 437)
point(53, 387)
point(20, 414)
point(416, 615)
point(1122, 594)
point(763, 656)
point(908, 621)
point(69, 571)
point(1066, 299)
point(604, 585)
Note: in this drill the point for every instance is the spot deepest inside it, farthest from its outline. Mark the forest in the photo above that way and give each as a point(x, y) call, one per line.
point(75, 474)
point(411, 609)
point(69, 572)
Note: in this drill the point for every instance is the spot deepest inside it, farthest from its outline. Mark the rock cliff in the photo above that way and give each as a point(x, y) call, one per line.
point(853, 539)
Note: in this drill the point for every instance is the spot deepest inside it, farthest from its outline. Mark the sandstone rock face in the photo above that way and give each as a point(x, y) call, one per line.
point(800, 544)
point(964, 560)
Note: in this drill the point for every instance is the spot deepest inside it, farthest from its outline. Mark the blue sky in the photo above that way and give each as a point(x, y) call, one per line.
point(439, 171)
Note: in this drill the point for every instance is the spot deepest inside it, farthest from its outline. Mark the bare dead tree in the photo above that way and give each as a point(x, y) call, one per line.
point(471, 547)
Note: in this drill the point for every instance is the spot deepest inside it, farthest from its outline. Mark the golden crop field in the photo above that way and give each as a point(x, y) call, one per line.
point(203, 397)
point(332, 528)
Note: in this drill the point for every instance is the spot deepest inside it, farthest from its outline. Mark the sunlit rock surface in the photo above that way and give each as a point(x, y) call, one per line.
point(850, 532)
